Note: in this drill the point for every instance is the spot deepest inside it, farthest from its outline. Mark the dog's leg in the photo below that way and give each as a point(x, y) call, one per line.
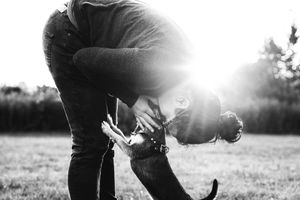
point(120, 140)
point(115, 128)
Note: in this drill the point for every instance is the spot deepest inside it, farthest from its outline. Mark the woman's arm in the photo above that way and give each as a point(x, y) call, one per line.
point(138, 103)
point(112, 87)
point(145, 71)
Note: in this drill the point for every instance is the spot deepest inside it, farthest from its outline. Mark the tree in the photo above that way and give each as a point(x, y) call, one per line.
point(284, 61)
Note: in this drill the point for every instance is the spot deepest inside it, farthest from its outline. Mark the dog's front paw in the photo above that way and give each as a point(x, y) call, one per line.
point(105, 128)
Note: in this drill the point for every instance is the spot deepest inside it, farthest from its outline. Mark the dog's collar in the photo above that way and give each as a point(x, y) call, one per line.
point(158, 147)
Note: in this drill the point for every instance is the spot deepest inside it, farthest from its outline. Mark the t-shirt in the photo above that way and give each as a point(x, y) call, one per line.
point(138, 45)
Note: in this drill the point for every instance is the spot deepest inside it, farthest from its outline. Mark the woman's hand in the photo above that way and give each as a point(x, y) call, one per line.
point(143, 113)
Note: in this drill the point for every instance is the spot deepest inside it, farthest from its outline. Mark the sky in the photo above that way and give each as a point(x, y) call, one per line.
point(225, 33)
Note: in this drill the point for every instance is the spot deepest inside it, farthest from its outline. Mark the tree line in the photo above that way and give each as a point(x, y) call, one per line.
point(266, 94)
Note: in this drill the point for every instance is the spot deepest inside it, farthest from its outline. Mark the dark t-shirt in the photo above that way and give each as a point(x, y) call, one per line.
point(138, 45)
point(125, 23)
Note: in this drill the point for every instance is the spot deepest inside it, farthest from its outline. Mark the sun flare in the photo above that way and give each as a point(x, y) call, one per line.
point(208, 77)
point(225, 34)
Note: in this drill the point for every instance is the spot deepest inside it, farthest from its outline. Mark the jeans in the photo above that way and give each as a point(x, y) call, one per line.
point(86, 104)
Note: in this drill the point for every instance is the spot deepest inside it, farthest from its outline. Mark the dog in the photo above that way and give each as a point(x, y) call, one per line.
point(147, 151)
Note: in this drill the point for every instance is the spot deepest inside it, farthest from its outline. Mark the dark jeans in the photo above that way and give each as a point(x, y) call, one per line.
point(86, 104)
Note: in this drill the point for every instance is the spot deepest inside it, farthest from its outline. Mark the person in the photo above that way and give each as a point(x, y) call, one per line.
point(146, 51)
point(100, 50)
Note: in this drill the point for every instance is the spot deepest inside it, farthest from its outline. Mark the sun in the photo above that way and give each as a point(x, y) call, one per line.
point(209, 75)
point(219, 47)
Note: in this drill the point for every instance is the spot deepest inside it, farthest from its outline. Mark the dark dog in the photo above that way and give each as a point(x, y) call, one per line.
point(150, 164)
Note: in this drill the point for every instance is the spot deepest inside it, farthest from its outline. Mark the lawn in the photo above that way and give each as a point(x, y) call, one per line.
point(258, 167)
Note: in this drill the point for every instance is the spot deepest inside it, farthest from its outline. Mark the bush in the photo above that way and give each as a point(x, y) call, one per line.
point(41, 110)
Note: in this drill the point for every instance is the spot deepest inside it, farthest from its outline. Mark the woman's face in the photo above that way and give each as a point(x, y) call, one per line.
point(175, 127)
point(173, 109)
point(173, 130)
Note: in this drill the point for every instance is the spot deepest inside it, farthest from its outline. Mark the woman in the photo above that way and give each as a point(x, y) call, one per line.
point(130, 34)
point(100, 50)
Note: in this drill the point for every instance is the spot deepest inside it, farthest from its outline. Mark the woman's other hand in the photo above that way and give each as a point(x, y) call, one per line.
point(143, 113)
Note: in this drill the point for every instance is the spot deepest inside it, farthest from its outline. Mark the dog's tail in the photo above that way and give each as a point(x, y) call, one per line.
point(214, 191)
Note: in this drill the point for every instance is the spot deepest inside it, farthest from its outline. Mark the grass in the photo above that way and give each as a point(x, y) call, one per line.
point(258, 167)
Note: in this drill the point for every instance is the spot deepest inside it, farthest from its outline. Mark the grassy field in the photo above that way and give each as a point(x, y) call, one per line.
point(258, 167)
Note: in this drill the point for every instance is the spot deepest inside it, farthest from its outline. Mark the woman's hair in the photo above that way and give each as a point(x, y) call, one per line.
point(203, 122)
point(229, 127)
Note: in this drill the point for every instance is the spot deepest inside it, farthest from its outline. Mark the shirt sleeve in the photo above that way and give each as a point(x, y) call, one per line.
point(112, 87)
point(145, 71)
